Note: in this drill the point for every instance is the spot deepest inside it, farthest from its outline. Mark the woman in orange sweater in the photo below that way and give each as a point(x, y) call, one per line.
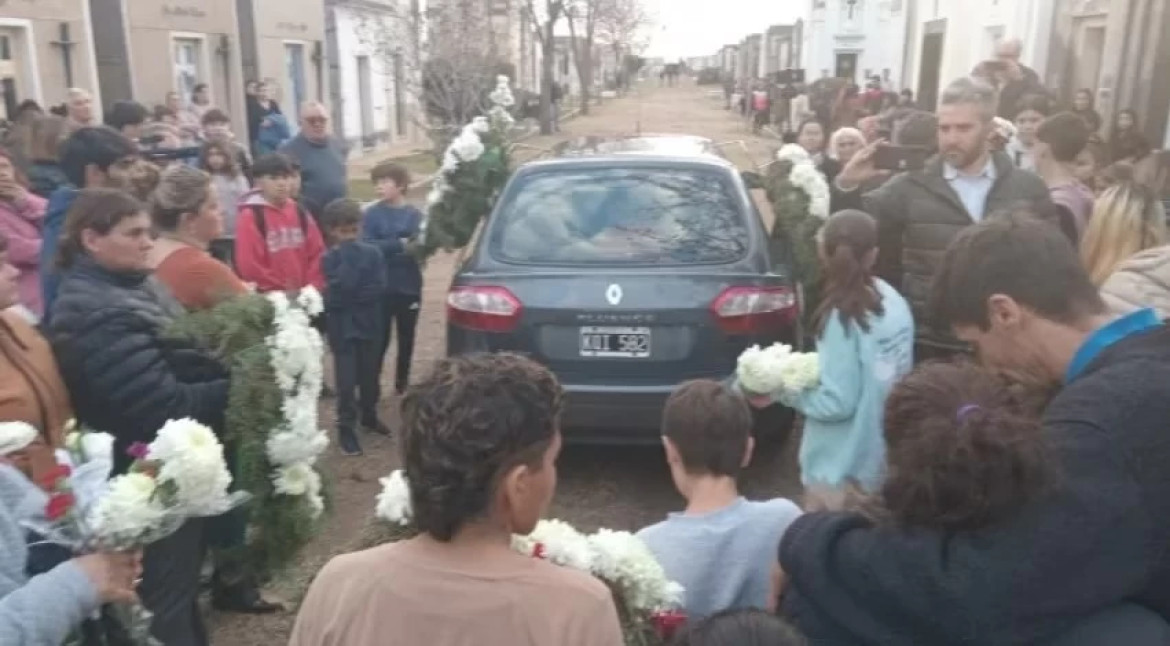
point(187, 216)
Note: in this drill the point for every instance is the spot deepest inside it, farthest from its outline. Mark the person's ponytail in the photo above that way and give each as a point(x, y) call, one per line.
point(849, 240)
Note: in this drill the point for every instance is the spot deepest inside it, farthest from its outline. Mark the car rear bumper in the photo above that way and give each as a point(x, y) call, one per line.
point(614, 413)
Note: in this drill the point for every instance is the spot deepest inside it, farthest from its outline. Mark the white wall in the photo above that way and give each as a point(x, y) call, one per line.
point(381, 94)
point(875, 34)
point(973, 29)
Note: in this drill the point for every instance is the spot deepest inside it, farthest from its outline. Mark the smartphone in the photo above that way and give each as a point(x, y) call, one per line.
point(901, 158)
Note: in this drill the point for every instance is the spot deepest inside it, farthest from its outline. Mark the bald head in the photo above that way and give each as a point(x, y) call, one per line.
point(1009, 49)
point(315, 120)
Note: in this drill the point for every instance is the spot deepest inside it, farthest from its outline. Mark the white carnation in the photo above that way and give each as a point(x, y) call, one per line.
point(467, 147)
point(502, 95)
point(760, 371)
point(479, 125)
point(95, 446)
point(15, 436)
point(801, 371)
point(623, 560)
point(289, 447)
point(129, 510)
point(296, 480)
point(394, 499)
point(500, 117)
point(310, 300)
point(794, 153)
point(563, 544)
point(192, 459)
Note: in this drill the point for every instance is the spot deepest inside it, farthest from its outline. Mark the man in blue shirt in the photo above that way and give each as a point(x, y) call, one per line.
point(1087, 558)
point(391, 224)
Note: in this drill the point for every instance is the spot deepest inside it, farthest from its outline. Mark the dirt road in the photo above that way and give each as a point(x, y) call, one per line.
point(617, 487)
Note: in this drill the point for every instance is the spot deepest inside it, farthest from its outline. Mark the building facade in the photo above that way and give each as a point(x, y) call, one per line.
point(198, 43)
point(855, 39)
point(1114, 48)
point(946, 39)
point(46, 47)
point(375, 75)
point(283, 43)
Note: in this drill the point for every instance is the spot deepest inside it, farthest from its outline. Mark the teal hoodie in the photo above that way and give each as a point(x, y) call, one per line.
point(842, 436)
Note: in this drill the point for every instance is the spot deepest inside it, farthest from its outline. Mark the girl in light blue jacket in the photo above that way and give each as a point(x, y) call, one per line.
point(865, 343)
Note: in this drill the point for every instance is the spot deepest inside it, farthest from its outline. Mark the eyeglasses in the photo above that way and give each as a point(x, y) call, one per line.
point(316, 121)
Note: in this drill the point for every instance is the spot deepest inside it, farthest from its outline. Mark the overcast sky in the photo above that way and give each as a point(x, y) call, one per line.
point(701, 27)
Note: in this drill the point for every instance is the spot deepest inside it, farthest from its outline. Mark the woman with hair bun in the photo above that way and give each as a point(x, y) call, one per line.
point(479, 444)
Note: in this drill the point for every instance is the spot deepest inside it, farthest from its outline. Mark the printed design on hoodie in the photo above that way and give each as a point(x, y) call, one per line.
point(283, 238)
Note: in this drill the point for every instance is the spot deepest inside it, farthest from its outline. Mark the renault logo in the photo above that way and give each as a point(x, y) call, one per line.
point(614, 294)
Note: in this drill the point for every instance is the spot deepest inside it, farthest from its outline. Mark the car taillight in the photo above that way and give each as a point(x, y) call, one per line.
point(486, 309)
point(754, 310)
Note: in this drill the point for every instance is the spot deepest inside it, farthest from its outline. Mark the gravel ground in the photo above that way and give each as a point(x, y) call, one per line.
point(621, 487)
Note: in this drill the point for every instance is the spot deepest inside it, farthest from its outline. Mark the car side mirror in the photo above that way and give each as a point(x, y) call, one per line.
point(752, 179)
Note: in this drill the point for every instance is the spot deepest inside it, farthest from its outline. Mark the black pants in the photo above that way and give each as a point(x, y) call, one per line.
point(170, 586)
point(356, 365)
point(401, 312)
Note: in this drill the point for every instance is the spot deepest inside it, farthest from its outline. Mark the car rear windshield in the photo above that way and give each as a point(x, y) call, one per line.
point(622, 216)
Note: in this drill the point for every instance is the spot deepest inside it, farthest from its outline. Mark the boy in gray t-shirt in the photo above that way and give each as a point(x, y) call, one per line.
point(721, 548)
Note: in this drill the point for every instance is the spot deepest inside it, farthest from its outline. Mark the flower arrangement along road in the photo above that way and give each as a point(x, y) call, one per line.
point(800, 199)
point(275, 355)
point(475, 168)
point(648, 603)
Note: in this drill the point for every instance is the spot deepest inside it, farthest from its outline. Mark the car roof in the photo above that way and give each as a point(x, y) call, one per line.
point(670, 145)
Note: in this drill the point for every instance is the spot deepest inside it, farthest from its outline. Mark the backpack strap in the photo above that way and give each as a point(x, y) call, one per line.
point(258, 219)
point(303, 216)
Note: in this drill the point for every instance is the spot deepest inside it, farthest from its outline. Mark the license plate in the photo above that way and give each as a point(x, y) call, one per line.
point(615, 342)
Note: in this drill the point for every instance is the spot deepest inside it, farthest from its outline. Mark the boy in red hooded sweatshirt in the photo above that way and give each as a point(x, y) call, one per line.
point(278, 244)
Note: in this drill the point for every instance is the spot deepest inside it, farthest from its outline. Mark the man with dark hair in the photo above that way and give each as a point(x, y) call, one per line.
point(127, 118)
point(919, 212)
point(1059, 141)
point(1088, 557)
point(91, 157)
point(722, 548)
point(918, 128)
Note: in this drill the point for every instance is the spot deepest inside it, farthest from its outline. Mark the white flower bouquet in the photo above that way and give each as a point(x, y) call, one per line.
point(648, 602)
point(179, 476)
point(776, 368)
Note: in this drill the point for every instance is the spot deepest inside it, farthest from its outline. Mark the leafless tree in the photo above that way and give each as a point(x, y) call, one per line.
point(545, 14)
point(447, 55)
point(624, 27)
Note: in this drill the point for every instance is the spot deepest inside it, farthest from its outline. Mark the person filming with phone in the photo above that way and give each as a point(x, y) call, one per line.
point(925, 205)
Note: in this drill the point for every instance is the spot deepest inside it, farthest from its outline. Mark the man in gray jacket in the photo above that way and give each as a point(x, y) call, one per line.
point(321, 155)
point(920, 212)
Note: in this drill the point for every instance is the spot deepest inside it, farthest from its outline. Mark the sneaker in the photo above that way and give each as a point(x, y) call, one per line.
point(377, 426)
point(348, 444)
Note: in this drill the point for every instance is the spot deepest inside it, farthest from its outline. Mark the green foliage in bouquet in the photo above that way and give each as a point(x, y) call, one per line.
point(794, 233)
point(235, 332)
point(467, 195)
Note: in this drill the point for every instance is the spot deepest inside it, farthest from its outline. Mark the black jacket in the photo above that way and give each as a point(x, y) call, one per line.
point(355, 286)
point(918, 214)
point(124, 378)
point(1100, 538)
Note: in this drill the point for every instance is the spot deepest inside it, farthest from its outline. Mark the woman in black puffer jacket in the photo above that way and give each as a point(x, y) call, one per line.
point(125, 378)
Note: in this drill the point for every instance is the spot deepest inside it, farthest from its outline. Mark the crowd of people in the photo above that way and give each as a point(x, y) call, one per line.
point(108, 234)
point(983, 457)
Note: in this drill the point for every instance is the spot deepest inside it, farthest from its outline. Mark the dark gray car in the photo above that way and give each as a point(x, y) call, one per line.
point(625, 274)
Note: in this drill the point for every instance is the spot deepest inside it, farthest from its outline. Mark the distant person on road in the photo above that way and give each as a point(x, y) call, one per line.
point(391, 224)
point(321, 156)
point(355, 280)
point(722, 547)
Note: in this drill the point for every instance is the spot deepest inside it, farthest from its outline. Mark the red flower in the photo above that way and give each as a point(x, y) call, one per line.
point(666, 624)
point(59, 505)
point(50, 480)
point(538, 550)
point(138, 450)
